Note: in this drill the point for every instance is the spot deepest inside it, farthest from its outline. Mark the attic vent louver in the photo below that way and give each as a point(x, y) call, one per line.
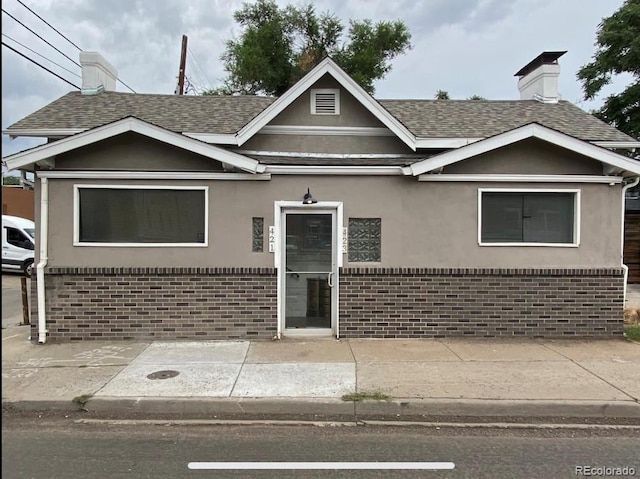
point(325, 101)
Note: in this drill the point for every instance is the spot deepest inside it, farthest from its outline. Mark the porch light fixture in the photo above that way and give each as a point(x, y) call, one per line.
point(308, 199)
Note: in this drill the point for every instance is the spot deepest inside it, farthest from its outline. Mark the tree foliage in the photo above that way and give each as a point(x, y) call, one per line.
point(277, 46)
point(10, 180)
point(618, 51)
point(442, 95)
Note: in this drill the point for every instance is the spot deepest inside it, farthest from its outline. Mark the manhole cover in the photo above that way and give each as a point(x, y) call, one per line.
point(163, 374)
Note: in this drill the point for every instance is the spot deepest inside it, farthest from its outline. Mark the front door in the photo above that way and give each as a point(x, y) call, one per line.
point(309, 259)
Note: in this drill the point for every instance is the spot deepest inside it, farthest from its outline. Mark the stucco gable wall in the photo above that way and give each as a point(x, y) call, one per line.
point(131, 151)
point(346, 144)
point(528, 157)
point(352, 113)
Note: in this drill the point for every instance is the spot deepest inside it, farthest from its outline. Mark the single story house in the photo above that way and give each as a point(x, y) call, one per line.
point(325, 211)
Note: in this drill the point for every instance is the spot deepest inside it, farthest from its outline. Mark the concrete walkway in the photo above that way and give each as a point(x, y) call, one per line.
point(568, 378)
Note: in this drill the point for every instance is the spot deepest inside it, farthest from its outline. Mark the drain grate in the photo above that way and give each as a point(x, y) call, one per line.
point(163, 374)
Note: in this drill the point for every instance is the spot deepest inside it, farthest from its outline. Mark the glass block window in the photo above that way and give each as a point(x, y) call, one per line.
point(365, 240)
point(258, 235)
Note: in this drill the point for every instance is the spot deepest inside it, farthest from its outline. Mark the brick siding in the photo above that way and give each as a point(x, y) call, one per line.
point(241, 303)
point(158, 303)
point(438, 303)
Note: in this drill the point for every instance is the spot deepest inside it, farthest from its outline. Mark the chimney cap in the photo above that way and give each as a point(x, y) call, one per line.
point(545, 58)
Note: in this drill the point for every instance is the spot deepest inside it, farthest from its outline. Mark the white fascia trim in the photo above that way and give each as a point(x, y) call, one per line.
point(312, 130)
point(151, 175)
point(623, 145)
point(220, 139)
point(50, 150)
point(298, 154)
point(326, 66)
point(49, 133)
point(336, 170)
point(445, 142)
point(522, 133)
point(523, 178)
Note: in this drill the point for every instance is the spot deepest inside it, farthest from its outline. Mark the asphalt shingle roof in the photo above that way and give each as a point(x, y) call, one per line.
point(227, 114)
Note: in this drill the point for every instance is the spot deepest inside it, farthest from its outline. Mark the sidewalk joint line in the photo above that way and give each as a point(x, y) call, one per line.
point(452, 351)
point(244, 360)
point(593, 374)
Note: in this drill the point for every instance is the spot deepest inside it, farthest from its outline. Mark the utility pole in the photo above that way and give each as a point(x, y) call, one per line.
point(183, 65)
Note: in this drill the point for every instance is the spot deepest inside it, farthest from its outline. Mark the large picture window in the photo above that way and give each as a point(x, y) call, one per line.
point(140, 216)
point(529, 217)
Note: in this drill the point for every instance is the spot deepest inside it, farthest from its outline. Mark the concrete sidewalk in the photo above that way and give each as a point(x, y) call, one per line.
point(422, 378)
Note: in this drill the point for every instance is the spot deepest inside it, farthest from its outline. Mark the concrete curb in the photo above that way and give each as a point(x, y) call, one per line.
point(397, 409)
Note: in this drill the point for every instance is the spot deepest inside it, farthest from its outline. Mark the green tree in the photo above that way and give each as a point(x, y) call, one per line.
point(618, 51)
point(10, 180)
point(442, 95)
point(476, 97)
point(278, 46)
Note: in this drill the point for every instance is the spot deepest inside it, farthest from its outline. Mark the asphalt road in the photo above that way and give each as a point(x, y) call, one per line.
point(12, 299)
point(60, 448)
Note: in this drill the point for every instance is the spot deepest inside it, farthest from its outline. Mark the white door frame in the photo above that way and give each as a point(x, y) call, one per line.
point(279, 210)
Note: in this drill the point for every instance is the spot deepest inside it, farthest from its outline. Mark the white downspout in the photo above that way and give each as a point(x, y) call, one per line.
point(624, 266)
point(44, 235)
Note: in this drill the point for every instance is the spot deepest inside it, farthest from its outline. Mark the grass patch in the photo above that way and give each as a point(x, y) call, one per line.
point(632, 333)
point(363, 396)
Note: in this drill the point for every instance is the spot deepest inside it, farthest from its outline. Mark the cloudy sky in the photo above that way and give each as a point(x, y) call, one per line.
point(465, 47)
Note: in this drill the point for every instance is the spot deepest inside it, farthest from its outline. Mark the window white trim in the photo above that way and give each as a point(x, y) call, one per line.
point(76, 216)
point(576, 215)
point(325, 91)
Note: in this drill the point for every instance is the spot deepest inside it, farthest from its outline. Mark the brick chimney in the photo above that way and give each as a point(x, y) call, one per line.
point(538, 79)
point(97, 74)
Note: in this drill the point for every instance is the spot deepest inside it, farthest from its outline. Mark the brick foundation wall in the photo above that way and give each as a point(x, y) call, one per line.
point(241, 303)
point(158, 303)
point(439, 302)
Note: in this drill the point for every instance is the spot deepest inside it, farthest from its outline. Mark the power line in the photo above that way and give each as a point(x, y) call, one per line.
point(118, 79)
point(42, 56)
point(70, 59)
point(205, 80)
point(49, 25)
point(56, 49)
point(41, 66)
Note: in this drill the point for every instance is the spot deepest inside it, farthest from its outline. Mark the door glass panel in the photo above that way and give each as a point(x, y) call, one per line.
point(308, 261)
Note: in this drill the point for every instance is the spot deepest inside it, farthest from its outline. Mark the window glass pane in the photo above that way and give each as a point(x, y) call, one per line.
point(527, 217)
point(548, 217)
point(365, 240)
point(501, 217)
point(16, 238)
point(141, 216)
point(258, 235)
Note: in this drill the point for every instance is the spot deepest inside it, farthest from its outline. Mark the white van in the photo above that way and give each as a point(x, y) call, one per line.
point(18, 244)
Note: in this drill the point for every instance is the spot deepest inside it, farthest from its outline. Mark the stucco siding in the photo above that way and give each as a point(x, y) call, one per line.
point(327, 144)
point(528, 157)
point(423, 224)
point(131, 151)
point(352, 113)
